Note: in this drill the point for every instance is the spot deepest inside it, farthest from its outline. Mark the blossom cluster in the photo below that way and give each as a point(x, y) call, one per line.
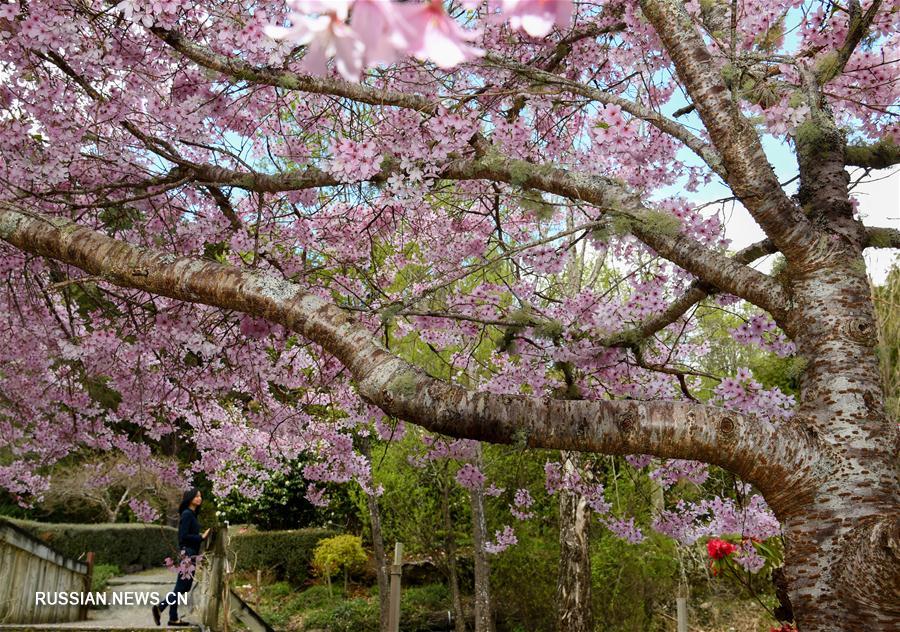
point(362, 33)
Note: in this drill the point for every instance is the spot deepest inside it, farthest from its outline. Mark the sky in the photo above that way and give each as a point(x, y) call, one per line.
point(879, 205)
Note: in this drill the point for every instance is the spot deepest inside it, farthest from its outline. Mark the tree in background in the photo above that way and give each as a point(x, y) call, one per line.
point(105, 488)
point(230, 297)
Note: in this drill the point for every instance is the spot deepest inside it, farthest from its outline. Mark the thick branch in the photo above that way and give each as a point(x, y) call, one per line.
point(750, 175)
point(694, 294)
point(767, 455)
point(714, 268)
point(882, 237)
point(882, 155)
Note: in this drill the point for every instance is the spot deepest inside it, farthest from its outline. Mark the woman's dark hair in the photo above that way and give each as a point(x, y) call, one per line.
point(186, 499)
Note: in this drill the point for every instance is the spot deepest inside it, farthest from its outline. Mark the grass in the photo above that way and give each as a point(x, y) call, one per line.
point(291, 609)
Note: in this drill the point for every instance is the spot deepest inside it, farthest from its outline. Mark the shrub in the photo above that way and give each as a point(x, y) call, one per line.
point(123, 545)
point(102, 574)
point(288, 553)
point(340, 553)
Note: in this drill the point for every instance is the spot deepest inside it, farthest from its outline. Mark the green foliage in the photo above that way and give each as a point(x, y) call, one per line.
point(315, 598)
point(887, 311)
point(339, 553)
point(283, 505)
point(527, 598)
point(349, 615)
point(123, 545)
point(337, 614)
point(102, 574)
point(288, 553)
point(631, 580)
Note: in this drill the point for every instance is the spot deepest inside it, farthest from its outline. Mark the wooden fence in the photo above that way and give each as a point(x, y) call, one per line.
point(28, 567)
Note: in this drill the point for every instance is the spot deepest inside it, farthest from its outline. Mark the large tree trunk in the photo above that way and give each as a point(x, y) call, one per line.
point(484, 617)
point(459, 617)
point(842, 558)
point(573, 584)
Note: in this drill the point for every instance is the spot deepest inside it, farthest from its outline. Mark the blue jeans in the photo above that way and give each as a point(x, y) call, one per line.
point(182, 586)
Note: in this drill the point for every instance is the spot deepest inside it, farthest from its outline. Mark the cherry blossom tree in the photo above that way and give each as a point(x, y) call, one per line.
point(221, 218)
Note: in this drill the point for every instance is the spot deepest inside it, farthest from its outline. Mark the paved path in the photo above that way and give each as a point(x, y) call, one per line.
point(119, 616)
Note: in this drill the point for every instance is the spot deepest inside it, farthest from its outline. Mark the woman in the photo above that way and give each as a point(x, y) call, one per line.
point(189, 539)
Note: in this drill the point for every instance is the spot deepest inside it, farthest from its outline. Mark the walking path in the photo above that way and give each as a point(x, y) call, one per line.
point(120, 617)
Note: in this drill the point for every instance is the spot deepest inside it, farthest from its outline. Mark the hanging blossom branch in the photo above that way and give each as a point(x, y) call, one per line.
point(764, 452)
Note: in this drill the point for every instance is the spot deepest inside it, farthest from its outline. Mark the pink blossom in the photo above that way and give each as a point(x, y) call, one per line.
point(435, 36)
point(502, 541)
point(326, 36)
point(377, 25)
point(537, 17)
point(143, 511)
point(470, 477)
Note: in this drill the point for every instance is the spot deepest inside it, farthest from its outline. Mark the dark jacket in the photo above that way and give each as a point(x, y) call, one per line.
point(189, 532)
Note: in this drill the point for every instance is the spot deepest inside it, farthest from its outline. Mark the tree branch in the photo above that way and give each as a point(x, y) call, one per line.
point(694, 294)
point(880, 155)
point(750, 175)
point(609, 196)
point(833, 63)
point(666, 125)
point(290, 80)
point(882, 237)
point(769, 456)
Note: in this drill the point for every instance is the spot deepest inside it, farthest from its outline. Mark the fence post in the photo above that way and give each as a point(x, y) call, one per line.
point(396, 571)
point(213, 579)
point(681, 606)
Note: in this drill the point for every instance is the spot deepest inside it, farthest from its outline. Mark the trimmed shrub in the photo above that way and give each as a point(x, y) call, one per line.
point(340, 553)
point(288, 553)
point(122, 545)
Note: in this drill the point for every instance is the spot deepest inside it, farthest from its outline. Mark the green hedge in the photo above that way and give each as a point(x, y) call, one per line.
point(288, 553)
point(124, 545)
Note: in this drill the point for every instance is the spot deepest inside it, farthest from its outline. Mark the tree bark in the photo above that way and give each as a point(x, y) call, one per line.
point(459, 616)
point(842, 558)
point(484, 616)
point(573, 585)
point(381, 570)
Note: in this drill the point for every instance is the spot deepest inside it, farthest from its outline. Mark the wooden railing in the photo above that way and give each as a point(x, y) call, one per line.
point(217, 603)
point(33, 575)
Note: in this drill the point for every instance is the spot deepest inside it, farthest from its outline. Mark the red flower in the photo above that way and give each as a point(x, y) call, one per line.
point(719, 549)
point(785, 627)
